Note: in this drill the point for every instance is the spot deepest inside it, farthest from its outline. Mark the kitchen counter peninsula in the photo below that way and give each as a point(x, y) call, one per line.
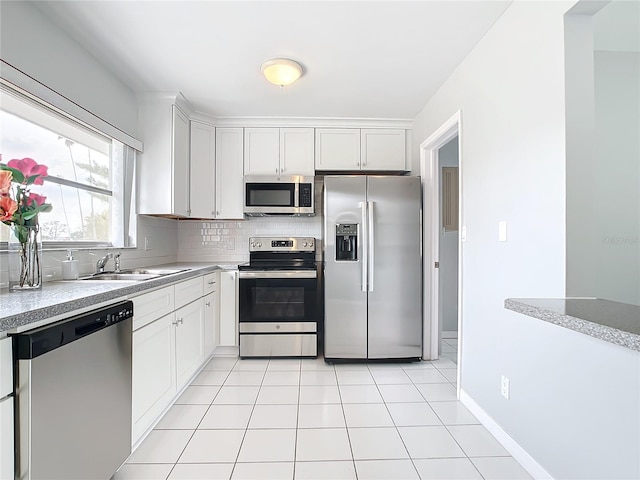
point(20, 311)
point(614, 322)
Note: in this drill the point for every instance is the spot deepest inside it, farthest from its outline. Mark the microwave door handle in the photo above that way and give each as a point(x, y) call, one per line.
point(371, 240)
point(363, 233)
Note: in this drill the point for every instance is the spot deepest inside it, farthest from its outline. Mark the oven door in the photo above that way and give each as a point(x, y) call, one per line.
point(277, 296)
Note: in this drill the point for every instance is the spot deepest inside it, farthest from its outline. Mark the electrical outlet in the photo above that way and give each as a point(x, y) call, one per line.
point(504, 388)
point(147, 243)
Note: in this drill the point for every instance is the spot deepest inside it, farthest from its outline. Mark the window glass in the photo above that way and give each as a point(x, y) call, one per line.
point(85, 179)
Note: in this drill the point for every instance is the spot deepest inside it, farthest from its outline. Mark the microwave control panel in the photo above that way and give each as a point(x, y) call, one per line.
point(305, 195)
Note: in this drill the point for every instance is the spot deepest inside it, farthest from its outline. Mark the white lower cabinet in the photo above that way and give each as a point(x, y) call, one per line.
point(229, 308)
point(189, 340)
point(6, 411)
point(154, 372)
point(211, 324)
point(6, 439)
point(168, 349)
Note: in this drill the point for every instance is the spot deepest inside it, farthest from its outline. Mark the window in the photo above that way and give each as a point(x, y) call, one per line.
point(88, 173)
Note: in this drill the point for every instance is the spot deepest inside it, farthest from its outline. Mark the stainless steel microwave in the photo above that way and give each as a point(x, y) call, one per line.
point(278, 195)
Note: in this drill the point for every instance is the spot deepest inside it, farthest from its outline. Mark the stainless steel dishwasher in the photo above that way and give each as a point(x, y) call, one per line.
point(73, 396)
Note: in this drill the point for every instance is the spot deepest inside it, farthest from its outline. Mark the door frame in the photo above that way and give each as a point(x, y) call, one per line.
point(430, 174)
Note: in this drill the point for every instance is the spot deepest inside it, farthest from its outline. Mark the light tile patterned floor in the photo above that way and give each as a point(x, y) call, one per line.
point(304, 419)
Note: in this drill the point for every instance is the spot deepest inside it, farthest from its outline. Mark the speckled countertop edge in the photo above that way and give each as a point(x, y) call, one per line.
point(20, 309)
point(596, 330)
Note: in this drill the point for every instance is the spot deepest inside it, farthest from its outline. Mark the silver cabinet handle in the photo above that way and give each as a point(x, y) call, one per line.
point(208, 304)
point(211, 282)
point(371, 240)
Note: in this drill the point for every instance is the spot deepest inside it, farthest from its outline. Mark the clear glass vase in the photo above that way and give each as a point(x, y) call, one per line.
point(25, 258)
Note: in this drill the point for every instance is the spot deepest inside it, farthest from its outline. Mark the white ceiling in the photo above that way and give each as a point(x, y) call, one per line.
point(361, 59)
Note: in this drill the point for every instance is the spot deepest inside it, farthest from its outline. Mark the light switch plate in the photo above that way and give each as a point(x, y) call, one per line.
point(502, 231)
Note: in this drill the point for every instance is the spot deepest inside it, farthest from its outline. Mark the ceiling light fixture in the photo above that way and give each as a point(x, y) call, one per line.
point(281, 71)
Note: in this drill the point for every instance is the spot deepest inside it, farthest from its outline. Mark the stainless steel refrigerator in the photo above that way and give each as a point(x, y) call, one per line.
point(372, 267)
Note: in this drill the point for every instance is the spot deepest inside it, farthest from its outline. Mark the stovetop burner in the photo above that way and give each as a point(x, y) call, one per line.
point(281, 253)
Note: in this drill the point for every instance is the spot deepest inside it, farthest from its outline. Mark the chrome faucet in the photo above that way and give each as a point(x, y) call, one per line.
point(116, 261)
point(103, 261)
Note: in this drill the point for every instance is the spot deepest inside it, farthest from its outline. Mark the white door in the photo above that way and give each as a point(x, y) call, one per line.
point(296, 151)
point(261, 151)
point(337, 149)
point(189, 341)
point(383, 149)
point(211, 327)
point(229, 173)
point(154, 378)
point(203, 170)
point(180, 159)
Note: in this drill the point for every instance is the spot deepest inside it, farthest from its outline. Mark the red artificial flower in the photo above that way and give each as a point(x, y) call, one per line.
point(8, 207)
point(35, 198)
point(29, 167)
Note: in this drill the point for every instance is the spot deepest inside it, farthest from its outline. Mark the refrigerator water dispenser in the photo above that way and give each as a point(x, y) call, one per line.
point(347, 242)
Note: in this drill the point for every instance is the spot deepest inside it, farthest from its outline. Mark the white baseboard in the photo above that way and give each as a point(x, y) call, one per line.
point(527, 461)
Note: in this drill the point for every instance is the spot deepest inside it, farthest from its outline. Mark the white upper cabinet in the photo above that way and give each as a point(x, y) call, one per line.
point(229, 181)
point(337, 149)
point(216, 172)
point(163, 166)
point(203, 170)
point(296, 151)
point(382, 149)
point(262, 151)
point(278, 151)
point(354, 149)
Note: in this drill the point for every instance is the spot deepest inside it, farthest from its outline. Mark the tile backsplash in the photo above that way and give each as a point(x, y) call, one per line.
point(227, 241)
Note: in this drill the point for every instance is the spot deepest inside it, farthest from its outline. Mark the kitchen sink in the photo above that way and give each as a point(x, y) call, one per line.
point(134, 275)
point(154, 271)
point(131, 277)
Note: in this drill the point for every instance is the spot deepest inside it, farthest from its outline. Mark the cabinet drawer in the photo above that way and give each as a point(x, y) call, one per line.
point(210, 282)
point(188, 291)
point(6, 367)
point(151, 306)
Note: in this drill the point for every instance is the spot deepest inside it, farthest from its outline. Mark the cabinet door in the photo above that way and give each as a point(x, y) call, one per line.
point(296, 151)
point(211, 326)
point(229, 173)
point(154, 375)
point(383, 149)
point(6, 367)
point(189, 341)
point(337, 149)
point(180, 163)
point(261, 151)
point(6, 439)
point(203, 170)
point(228, 308)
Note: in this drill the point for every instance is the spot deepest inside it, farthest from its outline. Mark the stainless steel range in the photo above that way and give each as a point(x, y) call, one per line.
point(278, 298)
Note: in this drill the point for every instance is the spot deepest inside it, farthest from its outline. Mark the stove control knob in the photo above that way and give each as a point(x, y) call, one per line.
point(259, 244)
point(304, 244)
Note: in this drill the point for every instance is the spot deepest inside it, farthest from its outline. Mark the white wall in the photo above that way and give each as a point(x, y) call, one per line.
point(448, 271)
point(574, 399)
point(32, 43)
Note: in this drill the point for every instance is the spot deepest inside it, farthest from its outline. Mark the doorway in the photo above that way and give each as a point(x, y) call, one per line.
point(442, 245)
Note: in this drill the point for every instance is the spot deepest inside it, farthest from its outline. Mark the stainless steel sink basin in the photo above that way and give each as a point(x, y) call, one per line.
point(130, 277)
point(154, 271)
point(134, 275)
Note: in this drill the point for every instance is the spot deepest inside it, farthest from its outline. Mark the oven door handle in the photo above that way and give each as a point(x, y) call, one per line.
point(279, 274)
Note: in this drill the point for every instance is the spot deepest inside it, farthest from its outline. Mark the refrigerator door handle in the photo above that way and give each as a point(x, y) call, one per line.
point(371, 241)
point(363, 260)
